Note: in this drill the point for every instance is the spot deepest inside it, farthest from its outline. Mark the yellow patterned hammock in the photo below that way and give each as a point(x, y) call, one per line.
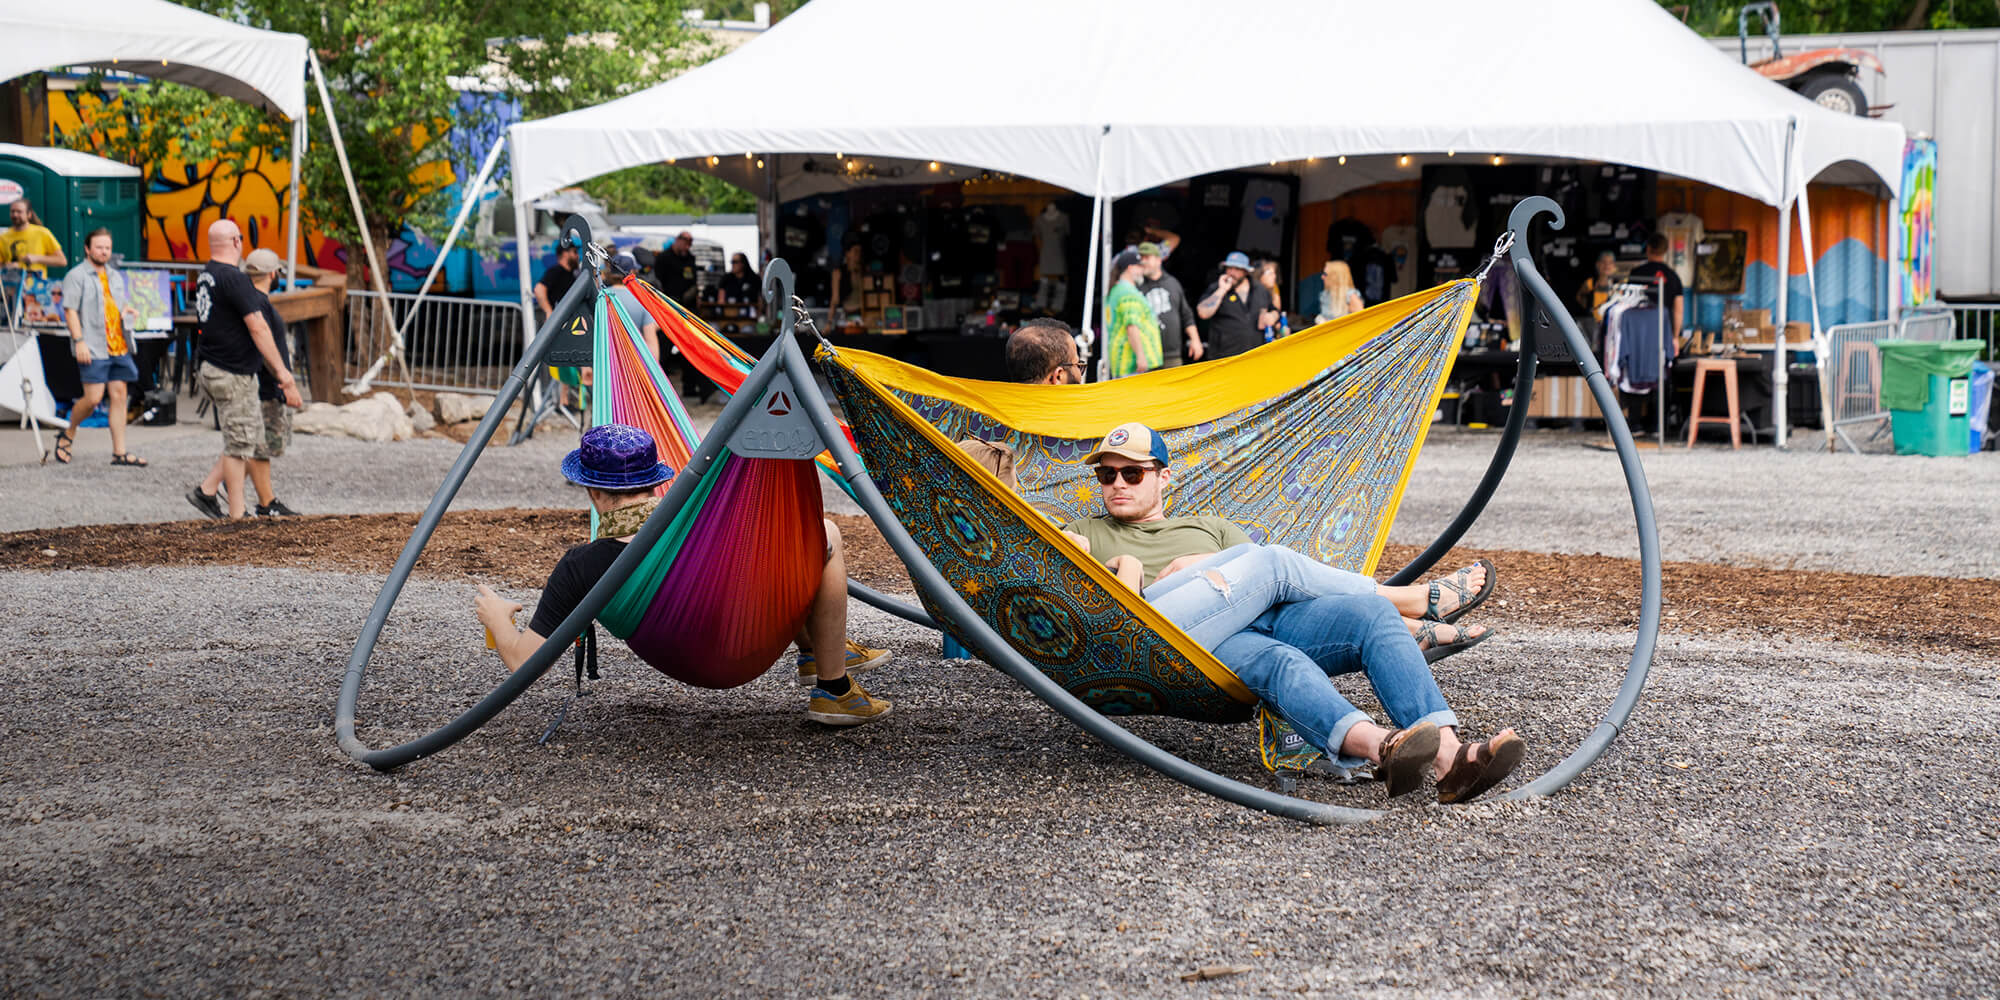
point(1306, 442)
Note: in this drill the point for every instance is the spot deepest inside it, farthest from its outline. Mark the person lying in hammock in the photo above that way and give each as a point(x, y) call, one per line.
point(1284, 627)
point(619, 466)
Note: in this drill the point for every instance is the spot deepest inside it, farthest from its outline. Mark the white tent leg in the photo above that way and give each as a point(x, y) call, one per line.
point(467, 202)
point(1090, 284)
point(292, 212)
point(375, 273)
point(1893, 239)
point(1780, 370)
point(1819, 342)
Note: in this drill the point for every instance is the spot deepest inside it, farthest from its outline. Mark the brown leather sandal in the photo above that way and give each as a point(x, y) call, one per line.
point(1403, 756)
point(1477, 767)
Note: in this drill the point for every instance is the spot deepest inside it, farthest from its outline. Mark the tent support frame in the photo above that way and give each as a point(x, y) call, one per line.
point(785, 357)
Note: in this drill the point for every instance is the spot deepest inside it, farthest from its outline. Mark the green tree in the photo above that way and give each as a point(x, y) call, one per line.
point(1717, 18)
point(394, 71)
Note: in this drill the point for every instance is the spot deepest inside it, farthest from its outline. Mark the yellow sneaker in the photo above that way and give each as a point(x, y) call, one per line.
point(859, 658)
point(850, 709)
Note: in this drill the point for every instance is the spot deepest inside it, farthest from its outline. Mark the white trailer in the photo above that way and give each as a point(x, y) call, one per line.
point(1944, 84)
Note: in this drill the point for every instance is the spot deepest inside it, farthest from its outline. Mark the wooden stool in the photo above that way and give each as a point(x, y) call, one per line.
point(1844, 381)
point(1702, 368)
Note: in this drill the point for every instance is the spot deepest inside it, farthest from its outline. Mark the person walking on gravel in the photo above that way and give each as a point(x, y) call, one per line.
point(100, 320)
point(619, 467)
point(235, 342)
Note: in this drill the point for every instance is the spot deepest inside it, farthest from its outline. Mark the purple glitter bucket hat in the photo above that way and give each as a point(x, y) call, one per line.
point(616, 457)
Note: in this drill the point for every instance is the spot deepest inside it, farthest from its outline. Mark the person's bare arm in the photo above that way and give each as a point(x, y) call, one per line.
point(57, 259)
point(1206, 307)
point(1194, 348)
point(514, 645)
point(1137, 340)
point(267, 347)
point(1679, 302)
point(1130, 571)
point(1081, 542)
point(542, 298)
point(82, 350)
point(1268, 317)
point(1168, 240)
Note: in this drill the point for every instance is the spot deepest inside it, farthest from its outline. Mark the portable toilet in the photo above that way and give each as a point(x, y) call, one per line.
point(74, 193)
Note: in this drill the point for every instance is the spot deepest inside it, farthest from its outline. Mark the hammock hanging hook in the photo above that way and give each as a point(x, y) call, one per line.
point(1500, 248)
point(803, 319)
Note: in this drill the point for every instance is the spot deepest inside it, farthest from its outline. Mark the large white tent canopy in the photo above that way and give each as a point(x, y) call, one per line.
point(160, 40)
point(1117, 96)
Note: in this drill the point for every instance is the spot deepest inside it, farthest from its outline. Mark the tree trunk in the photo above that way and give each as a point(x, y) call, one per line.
point(1921, 14)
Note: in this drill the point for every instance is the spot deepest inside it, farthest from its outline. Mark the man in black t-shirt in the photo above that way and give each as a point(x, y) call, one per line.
point(1169, 301)
point(556, 280)
point(619, 467)
point(1656, 265)
point(677, 270)
point(1236, 309)
point(235, 342)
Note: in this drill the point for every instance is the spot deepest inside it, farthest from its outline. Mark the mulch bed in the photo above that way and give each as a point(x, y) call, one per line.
point(516, 547)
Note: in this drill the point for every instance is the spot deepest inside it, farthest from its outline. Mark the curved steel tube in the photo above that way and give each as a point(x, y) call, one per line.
point(1641, 663)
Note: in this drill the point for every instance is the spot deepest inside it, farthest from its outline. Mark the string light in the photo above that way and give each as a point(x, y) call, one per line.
point(1496, 159)
point(760, 163)
point(935, 166)
point(1451, 152)
point(1343, 161)
point(1403, 160)
point(712, 161)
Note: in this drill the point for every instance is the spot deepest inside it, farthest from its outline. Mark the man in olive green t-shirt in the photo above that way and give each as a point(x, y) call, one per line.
point(1259, 608)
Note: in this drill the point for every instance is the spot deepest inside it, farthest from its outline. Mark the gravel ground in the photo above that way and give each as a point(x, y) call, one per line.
point(1782, 818)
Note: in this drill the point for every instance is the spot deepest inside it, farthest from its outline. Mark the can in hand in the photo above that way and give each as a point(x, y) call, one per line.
point(489, 640)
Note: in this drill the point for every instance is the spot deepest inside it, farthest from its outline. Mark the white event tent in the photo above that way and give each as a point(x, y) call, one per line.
point(160, 40)
point(1113, 97)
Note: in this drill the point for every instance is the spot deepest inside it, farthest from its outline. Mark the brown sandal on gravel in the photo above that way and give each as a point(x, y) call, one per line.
point(1479, 766)
point(1403, 756)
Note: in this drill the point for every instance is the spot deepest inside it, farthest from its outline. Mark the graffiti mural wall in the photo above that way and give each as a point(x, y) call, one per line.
point(1913, 225)
point(184, 196)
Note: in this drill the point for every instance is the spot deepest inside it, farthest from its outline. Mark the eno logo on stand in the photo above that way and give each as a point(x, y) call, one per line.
point(778, 428)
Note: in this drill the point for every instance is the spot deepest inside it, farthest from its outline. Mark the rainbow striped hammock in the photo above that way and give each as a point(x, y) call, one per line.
point(1306, 442)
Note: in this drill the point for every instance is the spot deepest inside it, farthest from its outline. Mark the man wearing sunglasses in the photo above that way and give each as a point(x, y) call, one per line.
point(1285, 623)
point(1042, 351)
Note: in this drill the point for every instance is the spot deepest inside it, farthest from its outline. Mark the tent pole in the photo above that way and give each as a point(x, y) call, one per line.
point(377, 277)
point(1780, 371)
point(1820, 346)
point(1780, 367)
point(1892, 239)
point(292, 212)
point(1090, 277)
point(467, 204)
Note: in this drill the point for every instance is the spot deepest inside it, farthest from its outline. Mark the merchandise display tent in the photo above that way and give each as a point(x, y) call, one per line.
point(1079, 99)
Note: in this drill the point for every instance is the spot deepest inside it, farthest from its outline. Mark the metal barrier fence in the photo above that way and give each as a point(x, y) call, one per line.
point(1851, 372)
point(452, 344)
point(1977, 321)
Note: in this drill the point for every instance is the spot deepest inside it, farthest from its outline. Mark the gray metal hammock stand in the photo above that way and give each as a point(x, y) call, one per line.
point(744, 428)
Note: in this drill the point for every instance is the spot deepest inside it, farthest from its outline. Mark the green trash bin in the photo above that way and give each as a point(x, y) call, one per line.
point(1927, 389)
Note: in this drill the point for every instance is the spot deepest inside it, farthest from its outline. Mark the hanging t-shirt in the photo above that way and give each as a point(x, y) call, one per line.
point(1233, 328)
point(1052, 232)
point(223, 296)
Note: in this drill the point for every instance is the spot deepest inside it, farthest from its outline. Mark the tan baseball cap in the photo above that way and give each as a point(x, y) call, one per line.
point(1135, 441)
point(263, 261)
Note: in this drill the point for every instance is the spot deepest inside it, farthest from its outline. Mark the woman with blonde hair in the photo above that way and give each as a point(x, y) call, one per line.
point(1337, 296)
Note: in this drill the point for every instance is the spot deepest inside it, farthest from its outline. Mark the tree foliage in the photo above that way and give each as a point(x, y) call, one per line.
point(1717, 18)
point(395, 70)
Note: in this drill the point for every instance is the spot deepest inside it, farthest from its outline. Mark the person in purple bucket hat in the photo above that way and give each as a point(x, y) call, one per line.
point(619, 466)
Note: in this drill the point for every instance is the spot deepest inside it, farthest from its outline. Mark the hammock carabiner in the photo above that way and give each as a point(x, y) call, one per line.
point(1500, 248)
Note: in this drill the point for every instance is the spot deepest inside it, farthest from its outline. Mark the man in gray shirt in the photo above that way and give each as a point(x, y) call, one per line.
point(95, 308)
point(1169, 301)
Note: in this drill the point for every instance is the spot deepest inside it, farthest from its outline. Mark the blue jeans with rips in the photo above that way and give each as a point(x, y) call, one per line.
point(1288, 656)
point(1221, 595)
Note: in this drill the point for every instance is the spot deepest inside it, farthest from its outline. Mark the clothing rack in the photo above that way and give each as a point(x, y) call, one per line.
point(1654, 294)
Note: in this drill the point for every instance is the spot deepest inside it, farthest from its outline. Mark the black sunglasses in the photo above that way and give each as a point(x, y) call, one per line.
point(1132, 474)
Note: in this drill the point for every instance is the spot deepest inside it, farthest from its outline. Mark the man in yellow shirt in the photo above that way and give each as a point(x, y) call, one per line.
point(29, 244)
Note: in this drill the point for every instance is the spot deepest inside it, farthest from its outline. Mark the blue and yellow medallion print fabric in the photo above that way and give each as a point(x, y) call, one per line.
point(1047, 607)
point(1319, 466)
